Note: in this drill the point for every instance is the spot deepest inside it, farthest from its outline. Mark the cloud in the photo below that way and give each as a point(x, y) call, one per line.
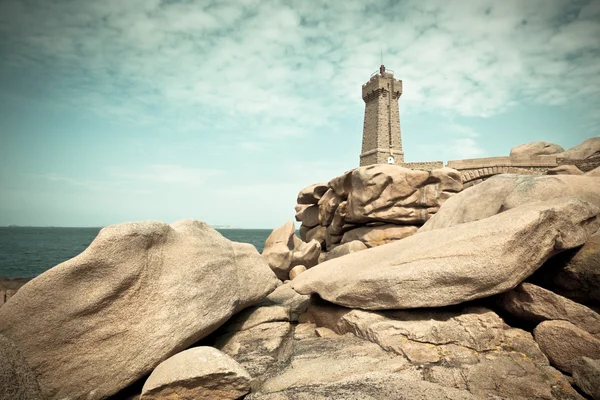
point(267, 64)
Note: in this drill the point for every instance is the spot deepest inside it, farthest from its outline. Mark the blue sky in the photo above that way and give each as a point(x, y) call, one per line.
point(114, 111)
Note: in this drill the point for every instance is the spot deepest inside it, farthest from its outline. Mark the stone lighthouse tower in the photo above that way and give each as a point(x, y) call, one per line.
point(382, 141)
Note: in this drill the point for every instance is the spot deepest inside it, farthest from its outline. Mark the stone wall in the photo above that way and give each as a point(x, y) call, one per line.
point(424, 166)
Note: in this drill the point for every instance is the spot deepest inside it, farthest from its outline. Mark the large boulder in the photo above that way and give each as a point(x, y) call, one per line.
point(536, 149)
point(504, 192)
point(17, 379)
point(536, 304)
point(311, 194)
point(373, 236)
point(390, 193)
point(586, 374)
point(453, 265)
point(138, 294)
point(564, 343)
point(327, 206)
point(575, 273)
point(197, 373)
point(587, 149)
point(342, 250)
point(283, 250)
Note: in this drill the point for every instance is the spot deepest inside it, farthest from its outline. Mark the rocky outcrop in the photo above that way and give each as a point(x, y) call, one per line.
point(453, 265)
point(17, 379)
point(586, 374)
point(468, 348)
point(575, 273)
point(197, 373)
point(585, 150)
point(399, 197)
point(564, 343)
point(373, 236)
point(283, 251)
point(536, 149)
point(504, 192)
point(138, 294)
point(536, 304)
point(311, 194)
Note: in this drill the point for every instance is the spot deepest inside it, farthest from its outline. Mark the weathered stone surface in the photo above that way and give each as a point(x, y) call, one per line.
point(565, 170)
point(504, 192)
point(197, 373)
point(297, 270)
point(138, 294)
point(564, 343)
point(466, 348)
point(311, 194)
point(467, 262)
point(327, 206)
point(586, 373)
point(342, 184)
point(283, 304)
point(257, 348)
point(17, 379)
point(310, 216)
point(582, 151)
point(283, 250)
point(373, 236)
point(391, 193)
point(536, 304)
point(346, 367)
point(536, 149)
point(575, 273)
point(318, 234)
point(300, 208)
point(343, 249)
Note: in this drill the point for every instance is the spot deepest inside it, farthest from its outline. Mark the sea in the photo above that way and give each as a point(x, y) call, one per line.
point(26, 252)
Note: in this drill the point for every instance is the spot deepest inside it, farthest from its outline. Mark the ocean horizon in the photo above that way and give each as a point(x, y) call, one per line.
point(28, 251)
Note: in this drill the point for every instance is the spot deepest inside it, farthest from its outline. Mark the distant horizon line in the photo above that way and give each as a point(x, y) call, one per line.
point(100, 227)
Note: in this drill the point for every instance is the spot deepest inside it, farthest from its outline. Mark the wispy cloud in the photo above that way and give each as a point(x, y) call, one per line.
point(267, 64)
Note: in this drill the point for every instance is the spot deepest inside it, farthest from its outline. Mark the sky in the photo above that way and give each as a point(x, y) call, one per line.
point(114, 111)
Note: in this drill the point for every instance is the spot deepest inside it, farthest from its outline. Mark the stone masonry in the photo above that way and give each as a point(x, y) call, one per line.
point(381, 130)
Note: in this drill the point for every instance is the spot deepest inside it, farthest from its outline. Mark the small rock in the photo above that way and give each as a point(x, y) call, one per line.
point(373, 236)
point(325, 332)
point(197, 373)
point(564, 343)
point(297, 270)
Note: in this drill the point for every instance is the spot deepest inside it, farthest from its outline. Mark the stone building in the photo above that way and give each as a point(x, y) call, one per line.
point(382, 138)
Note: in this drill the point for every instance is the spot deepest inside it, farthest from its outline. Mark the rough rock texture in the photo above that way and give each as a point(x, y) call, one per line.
point(197, 373)
point(453, 265)
point(371, 195)
point(586, 373)
point(467, 348)
point(587, 149)
point(565, 170)
point(391, 193)
point(504, 192)
point(575, 273)
point(283, 250)
point(373, 236)
point(311, 194)
point(536, 304)
point(564, 343)
point(342, 250)
point(17, 379)
point(536, 149)
point(138, 294)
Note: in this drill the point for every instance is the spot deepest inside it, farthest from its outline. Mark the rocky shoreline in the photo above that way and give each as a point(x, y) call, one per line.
point(402, 285)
